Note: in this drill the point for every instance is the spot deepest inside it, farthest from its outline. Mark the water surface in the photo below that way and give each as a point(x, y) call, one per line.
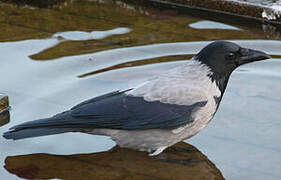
point(52, 69)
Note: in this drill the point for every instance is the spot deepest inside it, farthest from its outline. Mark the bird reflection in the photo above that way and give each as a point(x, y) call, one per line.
point(181, 161)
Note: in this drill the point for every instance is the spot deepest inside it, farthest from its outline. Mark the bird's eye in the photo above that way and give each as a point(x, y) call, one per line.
point(230, 56)
point(244, 52)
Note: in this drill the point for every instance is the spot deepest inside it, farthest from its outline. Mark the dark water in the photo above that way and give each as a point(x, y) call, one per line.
point(45, 72)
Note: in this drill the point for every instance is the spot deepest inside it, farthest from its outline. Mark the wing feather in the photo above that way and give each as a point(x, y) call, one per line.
point(117, 110)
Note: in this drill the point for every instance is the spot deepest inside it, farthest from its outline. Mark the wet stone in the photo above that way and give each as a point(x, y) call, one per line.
point(181, 161)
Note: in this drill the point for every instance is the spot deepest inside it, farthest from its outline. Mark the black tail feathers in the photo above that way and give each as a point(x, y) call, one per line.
point(34, 132)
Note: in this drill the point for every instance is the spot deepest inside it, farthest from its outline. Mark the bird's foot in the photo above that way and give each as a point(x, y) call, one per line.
point(157, 151)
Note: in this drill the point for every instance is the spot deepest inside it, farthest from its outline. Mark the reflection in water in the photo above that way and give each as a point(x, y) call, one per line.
point(181, 161)
point(81, 35)
point(139, 63)
point(212, 25)
point(154, 54)
point(146, 62)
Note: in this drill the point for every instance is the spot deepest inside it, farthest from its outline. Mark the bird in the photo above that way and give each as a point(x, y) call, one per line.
point(168, 108)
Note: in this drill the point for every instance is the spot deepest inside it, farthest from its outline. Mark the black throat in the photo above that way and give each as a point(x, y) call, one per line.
point(221, 82)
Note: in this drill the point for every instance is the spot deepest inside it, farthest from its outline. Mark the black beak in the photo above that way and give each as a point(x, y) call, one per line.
point(250, 55)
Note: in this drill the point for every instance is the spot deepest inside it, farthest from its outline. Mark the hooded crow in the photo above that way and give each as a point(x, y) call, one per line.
point(159, 113)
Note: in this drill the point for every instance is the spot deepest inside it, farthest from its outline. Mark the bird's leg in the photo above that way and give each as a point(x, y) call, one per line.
point(157, 151)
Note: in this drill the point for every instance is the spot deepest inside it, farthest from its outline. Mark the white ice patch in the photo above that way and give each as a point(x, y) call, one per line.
point(212, 25)
point(81, 35)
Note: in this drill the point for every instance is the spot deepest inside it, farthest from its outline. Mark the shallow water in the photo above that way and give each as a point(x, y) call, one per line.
point(243, 139)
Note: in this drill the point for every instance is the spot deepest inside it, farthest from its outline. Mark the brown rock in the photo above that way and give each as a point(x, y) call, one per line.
point(182, 161)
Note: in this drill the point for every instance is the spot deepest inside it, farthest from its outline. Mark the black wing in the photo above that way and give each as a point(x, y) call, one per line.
point(117, 110)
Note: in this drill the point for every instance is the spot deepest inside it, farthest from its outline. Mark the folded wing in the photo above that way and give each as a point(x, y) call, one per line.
point(116, 110)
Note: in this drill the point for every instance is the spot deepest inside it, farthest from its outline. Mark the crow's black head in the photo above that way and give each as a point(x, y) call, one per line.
point(223, 57)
